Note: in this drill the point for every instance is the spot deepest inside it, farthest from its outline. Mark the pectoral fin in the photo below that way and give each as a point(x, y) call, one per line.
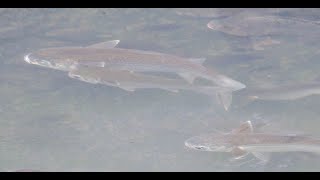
point(105, 45)
point(188, 77)
point(239, 153)
point(83, 78)
point(225, 98)
point(171, 90)
point(197, 60)
point(264, 157)
point(93, 64)
point(111, 83)
point(259, 44)
point(131, 89)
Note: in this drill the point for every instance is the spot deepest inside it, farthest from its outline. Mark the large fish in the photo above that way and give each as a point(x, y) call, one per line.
point(106, 56)
point(131, 81)
point(242, 141)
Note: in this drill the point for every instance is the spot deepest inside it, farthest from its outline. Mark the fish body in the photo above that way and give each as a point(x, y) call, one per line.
point(227, 12)
point(26, 170)
point(288, 92)
point(105, 55)
point(242, 141)
point(128, 59)
point(208, 12)
point(256, 25)
point(130, 81)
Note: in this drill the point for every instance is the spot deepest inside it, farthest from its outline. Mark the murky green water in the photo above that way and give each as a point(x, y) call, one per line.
point(50, 122)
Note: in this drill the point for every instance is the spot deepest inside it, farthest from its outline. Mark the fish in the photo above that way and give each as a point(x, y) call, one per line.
point(105, 55)
point(208, 12)
point(248, 25)
point(57, 58)
point(26, 170)
point(131, 81)
point(280, 93)
point(242, 141)
point(226, 12)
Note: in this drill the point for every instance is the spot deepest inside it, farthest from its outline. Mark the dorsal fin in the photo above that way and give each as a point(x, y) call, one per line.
point(197, 60)
point(105, 45)
point(245, 128)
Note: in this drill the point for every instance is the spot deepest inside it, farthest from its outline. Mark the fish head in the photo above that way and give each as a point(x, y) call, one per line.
point(209, 142)
point(214, 25)
point(50, 58)
point(226, 28)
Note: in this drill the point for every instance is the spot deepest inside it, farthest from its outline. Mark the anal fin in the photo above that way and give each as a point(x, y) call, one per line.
point(111, 83)
point(171, 90)
point(131, 89)
point(264, 157)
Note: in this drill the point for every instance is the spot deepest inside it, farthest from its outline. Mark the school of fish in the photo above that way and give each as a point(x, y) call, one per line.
point(129, 69)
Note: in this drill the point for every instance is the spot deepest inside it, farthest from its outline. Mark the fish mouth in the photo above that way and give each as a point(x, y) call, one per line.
point(199, 148)
point(213, 25)
point(35, 61)
point(27, 59)
point(186, 143)
point(204, 148)
point(193, 143)
point(210, 26)
point(32, 59)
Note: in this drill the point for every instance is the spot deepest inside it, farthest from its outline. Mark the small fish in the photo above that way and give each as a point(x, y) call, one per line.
point(208, 12)
point(105, 55)
point(246, 25)
point(226, 12)
point(26, 170)
point(130, 81)
point(243, 141)
point(288, 92)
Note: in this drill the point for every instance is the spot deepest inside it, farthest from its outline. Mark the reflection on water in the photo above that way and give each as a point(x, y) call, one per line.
point(50, 122)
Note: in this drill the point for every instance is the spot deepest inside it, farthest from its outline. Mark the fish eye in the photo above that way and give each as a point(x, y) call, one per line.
point(75, 76)
point(200, 147)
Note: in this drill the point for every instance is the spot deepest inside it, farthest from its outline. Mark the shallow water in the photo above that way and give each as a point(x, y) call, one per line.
point(50, 122)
